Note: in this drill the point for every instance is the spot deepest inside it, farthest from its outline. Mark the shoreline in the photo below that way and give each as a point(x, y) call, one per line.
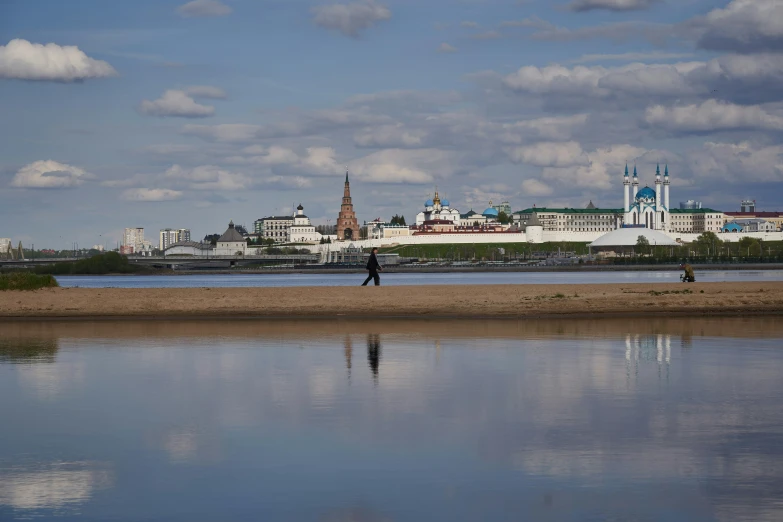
point(431, 302)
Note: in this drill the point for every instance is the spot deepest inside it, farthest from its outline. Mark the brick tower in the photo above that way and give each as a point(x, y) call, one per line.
point(347, 224)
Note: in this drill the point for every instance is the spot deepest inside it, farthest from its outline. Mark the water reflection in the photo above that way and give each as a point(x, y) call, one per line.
point(27, 350)
point(52, 486)
point(489, 420)
point(374, 354)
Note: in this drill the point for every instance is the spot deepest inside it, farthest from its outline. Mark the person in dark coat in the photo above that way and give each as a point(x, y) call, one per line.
point(374, 267)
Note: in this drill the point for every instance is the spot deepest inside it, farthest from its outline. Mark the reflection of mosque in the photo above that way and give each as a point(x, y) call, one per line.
point(647, 348)
point(373, 354)
point(26, 350)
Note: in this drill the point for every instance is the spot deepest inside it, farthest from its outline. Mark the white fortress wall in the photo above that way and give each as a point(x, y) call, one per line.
point(730, 237)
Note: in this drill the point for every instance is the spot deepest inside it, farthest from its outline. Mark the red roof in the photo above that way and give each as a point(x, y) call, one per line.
point(755, 214)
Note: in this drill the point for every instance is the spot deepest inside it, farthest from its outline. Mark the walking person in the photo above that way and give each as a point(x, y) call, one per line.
point(374, 267)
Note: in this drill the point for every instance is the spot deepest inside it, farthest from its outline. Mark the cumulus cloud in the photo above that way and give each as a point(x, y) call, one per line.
point(534, 187)
point(744, 26)
point(732, 77)
point(548, 128)
point(209, 177)
point(204, 8)
point(446, 48)
point(550, 154)
point(600, 171)
point(351, 18)
point(22, 60)
point(49, 174)
point(611, 5)
point(738, 163)
point(419, 166)
point(712, 116)
point(176, 104)
point(389, 136)
point(225, 132)
point(630, 57)
point(314, 161)
point(148, 194)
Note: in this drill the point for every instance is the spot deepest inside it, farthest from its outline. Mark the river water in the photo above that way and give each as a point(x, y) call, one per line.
point(661, 419)
point(395, 279)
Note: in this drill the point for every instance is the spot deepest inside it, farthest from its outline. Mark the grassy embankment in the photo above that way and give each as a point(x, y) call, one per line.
point(26, 281)
point(488, 251)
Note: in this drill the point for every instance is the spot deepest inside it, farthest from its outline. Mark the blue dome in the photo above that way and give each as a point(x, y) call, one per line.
point(444, 202)
point(645, 193)
point(429, 203)
point(490, 212)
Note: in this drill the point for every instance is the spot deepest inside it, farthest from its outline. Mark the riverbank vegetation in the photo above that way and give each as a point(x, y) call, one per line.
point(26, 281)
point(108, 263)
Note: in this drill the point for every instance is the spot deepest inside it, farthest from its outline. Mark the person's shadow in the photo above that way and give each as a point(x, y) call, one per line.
point(374, 354)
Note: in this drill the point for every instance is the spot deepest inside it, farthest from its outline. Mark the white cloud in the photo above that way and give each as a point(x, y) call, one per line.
point(744, 26)
point(400, 166)
point(389, 136)
point(351, 18)
point(177, 104)
point(712, 116)
point(49, 174)
point(600, 172)
point(468, 24)
point(611, 5)
point(446, 48)
point(209, 177)
point(226, 132)
point(203, 8)
point(738, 163)
point(550, 154)
point(548, 128)
point(148, 194)
point(22, 60)
point(206, 91)
point(534, 187)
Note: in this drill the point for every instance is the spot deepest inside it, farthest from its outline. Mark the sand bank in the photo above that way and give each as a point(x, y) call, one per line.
point(459, 301)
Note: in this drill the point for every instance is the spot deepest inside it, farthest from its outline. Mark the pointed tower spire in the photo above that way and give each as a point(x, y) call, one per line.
point(666, 172)
point(658, 169)
point(634, 170)
point(626, 170)
point(346, 174)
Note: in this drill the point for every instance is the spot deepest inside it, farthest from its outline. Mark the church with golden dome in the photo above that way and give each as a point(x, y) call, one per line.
point(438, 209)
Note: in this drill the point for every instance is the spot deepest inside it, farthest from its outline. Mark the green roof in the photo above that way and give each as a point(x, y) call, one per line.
point(693, 211)
point(543, 210)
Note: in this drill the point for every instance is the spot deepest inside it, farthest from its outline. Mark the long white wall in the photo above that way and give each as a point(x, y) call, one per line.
point(731, 237)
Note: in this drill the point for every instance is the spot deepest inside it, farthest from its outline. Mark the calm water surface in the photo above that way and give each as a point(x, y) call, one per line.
point(674, 420)
point(443, 278)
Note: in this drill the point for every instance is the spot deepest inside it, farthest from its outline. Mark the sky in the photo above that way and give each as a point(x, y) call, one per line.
point(158, 113)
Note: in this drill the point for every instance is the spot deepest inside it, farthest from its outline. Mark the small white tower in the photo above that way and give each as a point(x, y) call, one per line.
point(635, 183)
point(627, 190)
point(658, 200)
point(666, 202)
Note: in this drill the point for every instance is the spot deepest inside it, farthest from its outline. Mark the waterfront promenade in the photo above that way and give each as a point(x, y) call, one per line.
point(446, 301)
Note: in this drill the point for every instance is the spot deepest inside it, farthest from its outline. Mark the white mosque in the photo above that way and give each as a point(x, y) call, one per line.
point(648, 208)
point(437, 209)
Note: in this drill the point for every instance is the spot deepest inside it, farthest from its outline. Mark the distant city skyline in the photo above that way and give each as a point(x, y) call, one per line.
point(190, 114)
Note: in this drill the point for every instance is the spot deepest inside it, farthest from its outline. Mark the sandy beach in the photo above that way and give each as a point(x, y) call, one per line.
point(458, 301)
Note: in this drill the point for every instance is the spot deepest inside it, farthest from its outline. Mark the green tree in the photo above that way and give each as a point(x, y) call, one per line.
point(749, 246)
point(707, 243)
point(397, 220)
point(642, 245)
point(211, 238)
point(503, 218)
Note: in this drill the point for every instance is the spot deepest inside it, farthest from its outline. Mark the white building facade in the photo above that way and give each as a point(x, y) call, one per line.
point(302, 230)
point(277, 228)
